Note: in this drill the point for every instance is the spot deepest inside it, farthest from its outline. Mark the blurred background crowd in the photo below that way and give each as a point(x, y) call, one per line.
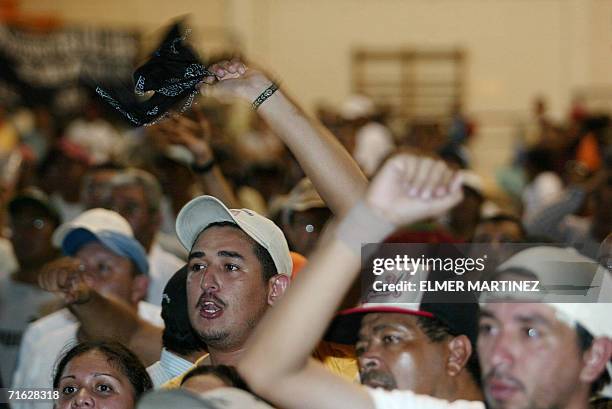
point(524, 114)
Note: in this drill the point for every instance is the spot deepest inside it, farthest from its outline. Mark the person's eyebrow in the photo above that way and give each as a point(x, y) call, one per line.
point(486, 314)
point(391, 326)
point(533, 319)
point(232, 254)
point(68, 376)
point(104, 373)
point(195, 254)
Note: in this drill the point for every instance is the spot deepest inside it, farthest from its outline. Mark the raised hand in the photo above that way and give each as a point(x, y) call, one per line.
point(194, 135)
point(65, 277)
point(410, 188)
point(234, 79)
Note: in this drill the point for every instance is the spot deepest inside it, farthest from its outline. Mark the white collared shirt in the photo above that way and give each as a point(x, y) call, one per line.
point(169, 366)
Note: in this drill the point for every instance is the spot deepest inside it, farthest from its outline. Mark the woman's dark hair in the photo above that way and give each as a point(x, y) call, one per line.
point(117, 355)
point(228, 374)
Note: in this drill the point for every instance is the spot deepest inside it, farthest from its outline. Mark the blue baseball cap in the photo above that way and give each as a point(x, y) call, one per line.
point(120, 244)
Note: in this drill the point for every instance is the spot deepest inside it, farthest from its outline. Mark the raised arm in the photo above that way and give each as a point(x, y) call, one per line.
point(195, 136)
point(100, 316)
point(318, 152)
point(408, 189)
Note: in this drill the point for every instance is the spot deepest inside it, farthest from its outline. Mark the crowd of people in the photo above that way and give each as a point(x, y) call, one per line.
point(176, 265)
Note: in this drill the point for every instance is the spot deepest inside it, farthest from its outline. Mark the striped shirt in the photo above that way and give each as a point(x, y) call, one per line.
point(169, 366)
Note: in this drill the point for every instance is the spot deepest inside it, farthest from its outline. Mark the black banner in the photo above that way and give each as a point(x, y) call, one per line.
point(49, 68)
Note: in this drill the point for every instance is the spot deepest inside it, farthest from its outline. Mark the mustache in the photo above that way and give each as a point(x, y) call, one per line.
point(207, 297)
point(378, 378)
point(496, 375)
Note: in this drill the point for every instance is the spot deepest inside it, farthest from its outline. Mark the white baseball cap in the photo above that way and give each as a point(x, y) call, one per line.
point(107, 227)
point(94, 220)
point(202, 211)
point(357, 106)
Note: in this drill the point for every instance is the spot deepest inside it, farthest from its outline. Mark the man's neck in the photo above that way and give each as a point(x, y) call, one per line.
point(228, 357)
point(463, 388)
point(192, 357)
point(579, 399)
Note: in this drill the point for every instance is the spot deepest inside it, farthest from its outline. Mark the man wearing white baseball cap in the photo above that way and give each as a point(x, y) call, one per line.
point(239, 265)
point(104, 276)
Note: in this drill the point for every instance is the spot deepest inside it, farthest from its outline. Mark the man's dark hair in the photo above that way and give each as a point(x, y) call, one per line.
point(437, 331)
point(268, 268)
point(178, 336)
point(228, 375)
point(585, 341)
point(118, 356)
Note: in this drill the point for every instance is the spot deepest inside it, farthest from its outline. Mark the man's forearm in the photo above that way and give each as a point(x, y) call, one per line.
point(336, 267)
point(332, 170)
point(103, 318)
point(216, 185)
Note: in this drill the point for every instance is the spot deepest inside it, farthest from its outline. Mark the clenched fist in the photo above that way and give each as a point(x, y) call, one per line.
point(410, 188)
point(235, 79)
point(65, 276)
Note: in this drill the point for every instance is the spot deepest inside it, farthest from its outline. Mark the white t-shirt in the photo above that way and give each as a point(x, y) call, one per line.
point(543, 191)
point(162, 266)
point(383, 399)
point(8, 261)
point(373, 142)
point(20, 305)
point(43, 343)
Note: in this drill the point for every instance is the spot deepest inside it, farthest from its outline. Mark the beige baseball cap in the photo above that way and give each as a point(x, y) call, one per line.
point(202, 211)
point(303, 197)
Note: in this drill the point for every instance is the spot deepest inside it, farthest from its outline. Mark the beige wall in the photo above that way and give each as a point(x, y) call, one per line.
point(517, 48)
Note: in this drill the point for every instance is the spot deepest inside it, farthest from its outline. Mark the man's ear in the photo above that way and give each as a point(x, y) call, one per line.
point(595, 359)
point(277, 285)
point(140, 287)
point(459, 352)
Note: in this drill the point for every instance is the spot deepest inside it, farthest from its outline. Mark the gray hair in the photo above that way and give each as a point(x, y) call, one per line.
point(145, 180)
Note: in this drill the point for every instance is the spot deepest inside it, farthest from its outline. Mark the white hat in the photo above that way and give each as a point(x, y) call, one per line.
point(357, 106)
point(105, 226)
point(202, 211)
point(94, 220)
point(575, 278)
point(302, 197)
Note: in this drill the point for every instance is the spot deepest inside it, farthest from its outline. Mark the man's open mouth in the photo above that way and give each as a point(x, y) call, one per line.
point(210, 309)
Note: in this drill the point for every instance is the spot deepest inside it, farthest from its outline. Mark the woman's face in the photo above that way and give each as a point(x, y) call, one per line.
point(90, 381)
